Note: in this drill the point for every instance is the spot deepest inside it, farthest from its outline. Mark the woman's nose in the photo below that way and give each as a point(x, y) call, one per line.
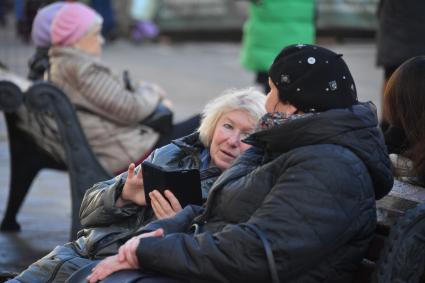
point(234, 139)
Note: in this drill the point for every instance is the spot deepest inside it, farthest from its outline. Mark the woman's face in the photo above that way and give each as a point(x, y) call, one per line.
point(226, 144)
point(92, 42)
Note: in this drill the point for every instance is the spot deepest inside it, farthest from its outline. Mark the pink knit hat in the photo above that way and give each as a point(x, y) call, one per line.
point(72, 22)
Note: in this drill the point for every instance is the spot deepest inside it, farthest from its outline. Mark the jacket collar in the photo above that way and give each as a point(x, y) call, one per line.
point(355, 128)
point(67, 51)
point(190, 144)
point(323, 127)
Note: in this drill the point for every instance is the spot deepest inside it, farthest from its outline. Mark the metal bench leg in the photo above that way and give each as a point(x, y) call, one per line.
point(24, 167)
point(77, 198)
point(26, 161)
point(20, 183)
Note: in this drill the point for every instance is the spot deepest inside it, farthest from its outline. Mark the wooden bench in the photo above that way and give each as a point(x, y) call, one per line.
point(45, 102)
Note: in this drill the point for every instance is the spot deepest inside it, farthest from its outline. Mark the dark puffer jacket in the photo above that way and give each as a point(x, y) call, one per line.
point(311, 188)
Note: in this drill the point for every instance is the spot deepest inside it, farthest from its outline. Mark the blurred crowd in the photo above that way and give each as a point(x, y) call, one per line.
point(132, 18)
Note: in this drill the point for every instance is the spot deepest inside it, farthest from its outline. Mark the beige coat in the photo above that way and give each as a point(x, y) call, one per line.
point(109, 114)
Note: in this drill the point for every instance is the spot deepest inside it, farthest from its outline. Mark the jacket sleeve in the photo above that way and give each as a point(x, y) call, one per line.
point(110, 99)
point(98, 205)
point(304, 216)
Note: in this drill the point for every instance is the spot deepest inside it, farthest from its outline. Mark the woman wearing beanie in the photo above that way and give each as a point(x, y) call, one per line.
point(40, 35)
point(110, 111)
point(279, 213)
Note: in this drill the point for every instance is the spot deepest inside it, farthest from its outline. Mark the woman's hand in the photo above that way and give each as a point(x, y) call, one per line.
point(125, 259)
point(162, 207)
point(106, 267)
point(133, 190)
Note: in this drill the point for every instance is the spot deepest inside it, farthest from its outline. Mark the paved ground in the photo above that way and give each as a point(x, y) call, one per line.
point(190, 72)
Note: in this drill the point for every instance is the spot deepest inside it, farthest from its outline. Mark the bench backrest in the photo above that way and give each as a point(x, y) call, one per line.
point(11, 97)
point(47, 100)
point(50, 114)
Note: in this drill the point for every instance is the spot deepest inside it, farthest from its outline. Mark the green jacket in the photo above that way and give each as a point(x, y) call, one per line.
point(272, 25)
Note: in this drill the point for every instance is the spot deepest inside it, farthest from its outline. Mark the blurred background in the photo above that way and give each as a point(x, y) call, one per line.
point(195, 20)
point(189, 47)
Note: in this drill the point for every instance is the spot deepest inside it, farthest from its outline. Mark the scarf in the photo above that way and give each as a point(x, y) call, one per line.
point(271, 120)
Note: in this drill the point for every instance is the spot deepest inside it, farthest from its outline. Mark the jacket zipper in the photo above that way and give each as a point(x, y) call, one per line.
point(55, 271)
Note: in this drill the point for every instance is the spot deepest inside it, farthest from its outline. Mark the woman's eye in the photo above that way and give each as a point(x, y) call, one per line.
point(228, 126)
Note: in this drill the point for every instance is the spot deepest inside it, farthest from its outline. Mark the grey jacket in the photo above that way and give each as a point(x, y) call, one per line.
point(104, 223)
point(107, 227)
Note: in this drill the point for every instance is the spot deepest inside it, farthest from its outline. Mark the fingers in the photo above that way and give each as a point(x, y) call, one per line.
point(161, 205)
point(140, 173)
point(165, 205)
point(156, 207)
point(97, 275)
point(159, 233)
point(124, 252)
point(102, 270)
point(121, 256)
point(110, 265)
point(156, 233)
point(130, 251)
point(175, 204)
point(131, 170)
point(127, 252)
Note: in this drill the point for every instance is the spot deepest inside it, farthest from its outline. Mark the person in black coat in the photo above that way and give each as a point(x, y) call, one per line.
point(400, 34)
point(299, 206)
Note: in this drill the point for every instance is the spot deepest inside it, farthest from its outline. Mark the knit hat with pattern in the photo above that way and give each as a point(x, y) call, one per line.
point(313, 78)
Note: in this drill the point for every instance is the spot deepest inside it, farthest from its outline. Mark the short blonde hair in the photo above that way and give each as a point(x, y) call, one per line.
point(248, 99)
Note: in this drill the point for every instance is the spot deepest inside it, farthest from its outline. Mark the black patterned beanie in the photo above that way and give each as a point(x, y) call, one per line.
point(313, 78)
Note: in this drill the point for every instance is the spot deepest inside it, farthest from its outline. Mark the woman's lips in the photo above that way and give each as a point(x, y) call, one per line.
point(228, 154)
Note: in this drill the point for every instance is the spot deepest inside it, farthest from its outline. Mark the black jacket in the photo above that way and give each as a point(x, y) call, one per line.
point(310, 186)
point(401, 31)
